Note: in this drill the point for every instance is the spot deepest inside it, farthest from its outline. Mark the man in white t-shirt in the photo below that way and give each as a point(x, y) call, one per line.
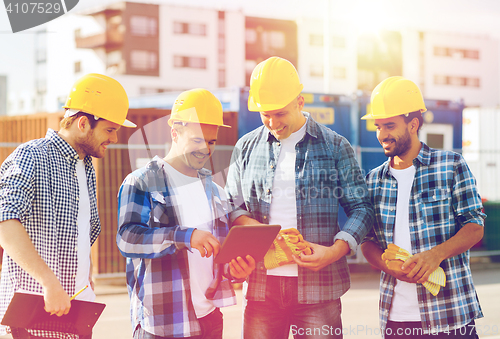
point(426, 202)
point(166, 210)
point(48, 203)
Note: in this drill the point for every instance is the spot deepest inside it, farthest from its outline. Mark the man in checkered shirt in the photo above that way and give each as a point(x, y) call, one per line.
point(172, 220)
point(426, 202)
point(48, 206)
point(297, 173)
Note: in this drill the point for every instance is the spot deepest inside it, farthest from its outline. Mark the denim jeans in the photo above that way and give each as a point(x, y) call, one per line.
point(281, 313)
point(211, 328)
point(413, 330)
point(21, 333)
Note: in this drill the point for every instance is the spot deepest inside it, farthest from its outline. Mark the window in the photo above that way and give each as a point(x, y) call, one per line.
point(143, 60)
point(250, 36)
point(78, 67)
point(275, 39)
point(456, 53)
point(143, 25)
point(190, 62)
point(190, 28)
point(316, 40)
point(456, 81)
point(316, 70)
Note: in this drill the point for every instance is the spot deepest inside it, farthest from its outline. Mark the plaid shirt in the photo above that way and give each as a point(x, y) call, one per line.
point(444, 198)
point(327, 174)
point(39, 187)
point(156, 246)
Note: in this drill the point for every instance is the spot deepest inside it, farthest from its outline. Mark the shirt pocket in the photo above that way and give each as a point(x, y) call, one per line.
point(436, 206)
point(159, 209)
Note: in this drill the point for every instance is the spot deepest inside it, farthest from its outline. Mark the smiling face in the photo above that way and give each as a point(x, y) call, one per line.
point(95, 141)
point(394, 136)
point(192, 147)
point(285, 121)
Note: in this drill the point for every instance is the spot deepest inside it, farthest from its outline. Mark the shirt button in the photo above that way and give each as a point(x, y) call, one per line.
point(76, 248)
point(393, 185)
point(392, 209)
point(74, 275)
point(77, 198)
point(268, 191)
point(265, 217)
point(272, 166)
point(75, 174)
point(434, 197)
point(279, 144)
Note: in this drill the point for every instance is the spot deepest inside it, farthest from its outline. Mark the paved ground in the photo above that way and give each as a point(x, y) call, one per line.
point(359, 305)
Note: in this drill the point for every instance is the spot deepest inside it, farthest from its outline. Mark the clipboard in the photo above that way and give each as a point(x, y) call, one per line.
point(245, 240)
point(27, 311)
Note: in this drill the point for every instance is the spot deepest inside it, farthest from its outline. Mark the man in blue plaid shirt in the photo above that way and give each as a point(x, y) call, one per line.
point(48, 204)
point(166, 210)
point(296, 173)
point(426, 202)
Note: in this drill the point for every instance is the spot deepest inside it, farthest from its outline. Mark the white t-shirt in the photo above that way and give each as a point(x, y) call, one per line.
point(405, 301)
point(283, 210)
point(193, 210)
point(83, 241)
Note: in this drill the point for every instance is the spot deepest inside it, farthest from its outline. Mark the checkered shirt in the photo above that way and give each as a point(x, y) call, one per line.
point(444, 198)
point(156, 246)
point(327, 175)
point(39, 187)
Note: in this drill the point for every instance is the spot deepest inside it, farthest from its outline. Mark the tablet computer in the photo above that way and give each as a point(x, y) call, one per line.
point(253, 240)
point(27, 311)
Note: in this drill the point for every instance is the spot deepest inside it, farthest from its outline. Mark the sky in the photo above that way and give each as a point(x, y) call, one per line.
point(478, 17)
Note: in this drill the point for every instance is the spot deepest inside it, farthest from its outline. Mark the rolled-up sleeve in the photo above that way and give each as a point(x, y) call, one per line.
point(467, 204)
point(16, 185)
point(135, 238)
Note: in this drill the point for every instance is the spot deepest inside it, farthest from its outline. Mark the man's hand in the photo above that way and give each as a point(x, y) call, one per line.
point(322, 256)
point(240, 268)
point(394, 269)
point(424, 264)
point(205, 243)
point(56, 300)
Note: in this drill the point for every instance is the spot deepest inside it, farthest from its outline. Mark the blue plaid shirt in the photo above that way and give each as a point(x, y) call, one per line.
point(327, 175)
point(444, 198)
point(39, 187)
point(156, 246)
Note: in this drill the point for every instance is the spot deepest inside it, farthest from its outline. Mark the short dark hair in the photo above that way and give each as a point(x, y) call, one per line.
point(66, 122)
point(413, 115)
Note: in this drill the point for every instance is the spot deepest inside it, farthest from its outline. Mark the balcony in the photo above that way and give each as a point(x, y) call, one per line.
point(110, 39)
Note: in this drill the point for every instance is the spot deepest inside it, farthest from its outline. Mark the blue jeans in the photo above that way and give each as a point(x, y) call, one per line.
point(281, 313)
point(211, 328)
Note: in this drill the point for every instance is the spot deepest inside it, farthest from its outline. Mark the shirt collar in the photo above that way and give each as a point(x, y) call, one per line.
point(67, 151)
point(311, 128)
point(423, 157)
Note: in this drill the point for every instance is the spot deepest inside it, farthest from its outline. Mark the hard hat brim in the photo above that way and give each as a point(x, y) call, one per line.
point(129, 124)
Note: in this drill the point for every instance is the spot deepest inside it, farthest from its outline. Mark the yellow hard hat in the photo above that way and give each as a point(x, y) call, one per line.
point(273, 85)
point(197, 106)
point(395, 96)
point(100, 96)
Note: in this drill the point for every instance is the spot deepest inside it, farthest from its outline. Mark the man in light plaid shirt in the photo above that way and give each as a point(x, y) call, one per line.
point(426, 202)
point(297, 173)
point(172, 220)
point(48, 205)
